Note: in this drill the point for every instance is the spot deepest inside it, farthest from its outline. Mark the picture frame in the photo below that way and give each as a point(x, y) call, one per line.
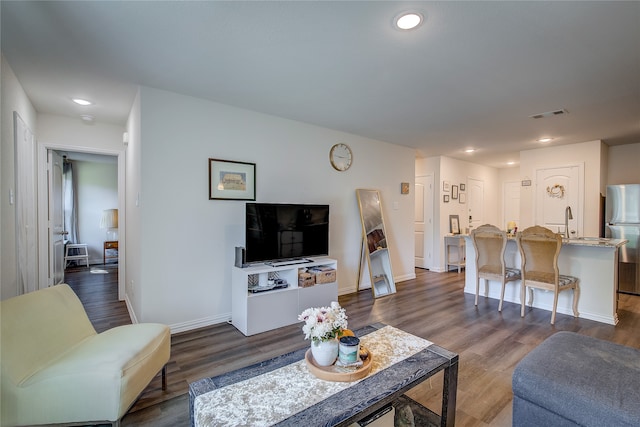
point(445, 198)
point(462, 187)
point(462, 199)
point(404, 188)
point(454, 224)
point(231, 180)
point(446, 186)
point(454, 192)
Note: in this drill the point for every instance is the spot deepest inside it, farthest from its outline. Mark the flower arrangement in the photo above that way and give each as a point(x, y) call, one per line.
point(324, 323)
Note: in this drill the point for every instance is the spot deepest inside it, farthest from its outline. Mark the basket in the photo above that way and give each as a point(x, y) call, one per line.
point(325, 275)
point(306, 280)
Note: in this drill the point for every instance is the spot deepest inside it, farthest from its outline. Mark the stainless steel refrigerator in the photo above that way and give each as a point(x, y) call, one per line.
point(622, 221)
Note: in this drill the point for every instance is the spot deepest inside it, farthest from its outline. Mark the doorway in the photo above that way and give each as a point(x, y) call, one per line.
point(424, 222)
point(511, 203)
point(45, 248)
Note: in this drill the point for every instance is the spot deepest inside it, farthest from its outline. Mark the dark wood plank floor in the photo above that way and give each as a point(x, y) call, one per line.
point(432, 306)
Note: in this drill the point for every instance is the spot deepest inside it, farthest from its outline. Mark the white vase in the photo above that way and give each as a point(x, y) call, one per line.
point(325, 352)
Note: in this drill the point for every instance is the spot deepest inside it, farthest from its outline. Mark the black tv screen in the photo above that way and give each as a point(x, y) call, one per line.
point(277, 232)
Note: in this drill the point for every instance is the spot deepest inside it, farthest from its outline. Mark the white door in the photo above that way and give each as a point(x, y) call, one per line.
point(475, 202)
point(56, 219)
point(424, 221)
point(557, 189)
point(26, 213)
point(511, 200)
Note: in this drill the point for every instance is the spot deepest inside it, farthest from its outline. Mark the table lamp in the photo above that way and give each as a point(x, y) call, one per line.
point(109, 221)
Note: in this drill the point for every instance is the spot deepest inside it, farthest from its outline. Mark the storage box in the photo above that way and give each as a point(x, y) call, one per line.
point(324, 274)
point(306, 280)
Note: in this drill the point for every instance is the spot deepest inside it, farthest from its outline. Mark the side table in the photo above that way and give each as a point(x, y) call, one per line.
point(457, 243)
point(109, 244)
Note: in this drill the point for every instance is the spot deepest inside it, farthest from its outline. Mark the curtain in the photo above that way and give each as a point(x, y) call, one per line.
point(69, 188)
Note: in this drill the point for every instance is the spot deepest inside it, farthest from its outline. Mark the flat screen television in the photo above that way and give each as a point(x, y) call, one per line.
point(281, 232)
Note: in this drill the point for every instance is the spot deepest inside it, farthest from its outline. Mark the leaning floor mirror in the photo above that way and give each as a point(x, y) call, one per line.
point(375, 245)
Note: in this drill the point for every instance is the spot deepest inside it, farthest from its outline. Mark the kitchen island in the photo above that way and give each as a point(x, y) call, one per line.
point(591, 259)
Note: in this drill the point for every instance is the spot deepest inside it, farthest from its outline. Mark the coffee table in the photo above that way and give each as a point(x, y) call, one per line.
point(360, 401)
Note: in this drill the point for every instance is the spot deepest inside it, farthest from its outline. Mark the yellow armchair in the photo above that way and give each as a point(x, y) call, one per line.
point(57, 369)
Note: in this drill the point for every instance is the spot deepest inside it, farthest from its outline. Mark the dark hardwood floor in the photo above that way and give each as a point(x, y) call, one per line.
point(432, 306)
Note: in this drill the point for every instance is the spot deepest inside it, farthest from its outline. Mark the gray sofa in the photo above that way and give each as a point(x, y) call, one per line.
point(576, 380)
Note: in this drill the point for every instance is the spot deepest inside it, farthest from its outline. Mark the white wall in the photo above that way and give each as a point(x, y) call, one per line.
point(187, 241)
point(623, 164)
point(13, 99)
point(97, 191)
point(587, 153)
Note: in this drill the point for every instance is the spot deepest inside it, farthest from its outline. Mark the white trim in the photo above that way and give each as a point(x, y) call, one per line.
point(200, 323)
point(43, 246)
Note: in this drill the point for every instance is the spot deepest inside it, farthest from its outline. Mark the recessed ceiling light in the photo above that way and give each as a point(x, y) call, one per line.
point(87, 118)
point(545, 139)
point(469, 150)
point(408, 20)
point(81, 101)
point(511, 163)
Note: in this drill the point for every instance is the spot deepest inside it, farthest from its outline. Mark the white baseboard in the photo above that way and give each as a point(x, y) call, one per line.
point(132, 314)
point(199, 323)
point(185, 326)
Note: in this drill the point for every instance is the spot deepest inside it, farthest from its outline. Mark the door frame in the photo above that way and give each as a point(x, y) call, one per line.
point(43, 240)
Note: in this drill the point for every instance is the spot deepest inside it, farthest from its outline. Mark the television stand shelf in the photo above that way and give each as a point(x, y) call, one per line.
point(256, 312)
point(288, 262)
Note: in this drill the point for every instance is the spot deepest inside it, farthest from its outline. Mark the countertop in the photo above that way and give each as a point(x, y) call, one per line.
point(582, 241)
point(595, 241)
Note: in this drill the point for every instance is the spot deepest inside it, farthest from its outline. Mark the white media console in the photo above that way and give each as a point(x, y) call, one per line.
point(255, 312)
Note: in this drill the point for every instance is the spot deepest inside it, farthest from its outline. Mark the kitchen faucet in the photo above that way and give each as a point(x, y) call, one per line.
point(567, 216)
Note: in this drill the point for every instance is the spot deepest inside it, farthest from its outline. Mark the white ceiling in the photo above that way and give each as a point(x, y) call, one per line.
point(470, 76)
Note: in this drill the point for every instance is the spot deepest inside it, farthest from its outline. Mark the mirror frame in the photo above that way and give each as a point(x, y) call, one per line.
point(366, 198)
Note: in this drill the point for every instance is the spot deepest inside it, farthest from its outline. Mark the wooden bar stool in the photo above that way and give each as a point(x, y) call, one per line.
point(539, 249)
point(490, 244)
point(82, 253)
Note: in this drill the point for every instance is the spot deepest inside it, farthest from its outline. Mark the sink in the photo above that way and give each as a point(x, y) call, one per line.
point(588, 240)
point(593, 239)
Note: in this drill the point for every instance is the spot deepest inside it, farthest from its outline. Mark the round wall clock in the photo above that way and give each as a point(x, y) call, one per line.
point(341, 157)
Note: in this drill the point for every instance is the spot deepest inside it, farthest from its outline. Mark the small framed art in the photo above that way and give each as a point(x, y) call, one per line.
point(404, 188)
point(446, 186)
point(229, 180)
point(445, 198)
point(454, 192)
point(454, 224)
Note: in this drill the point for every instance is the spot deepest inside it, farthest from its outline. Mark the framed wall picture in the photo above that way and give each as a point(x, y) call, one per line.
point(404, 188)
point(462, 187)
point(454, 192)
point(229, 180)
point(445, 198)
point(454, 224)
point(446, 186)
point(462, 198)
